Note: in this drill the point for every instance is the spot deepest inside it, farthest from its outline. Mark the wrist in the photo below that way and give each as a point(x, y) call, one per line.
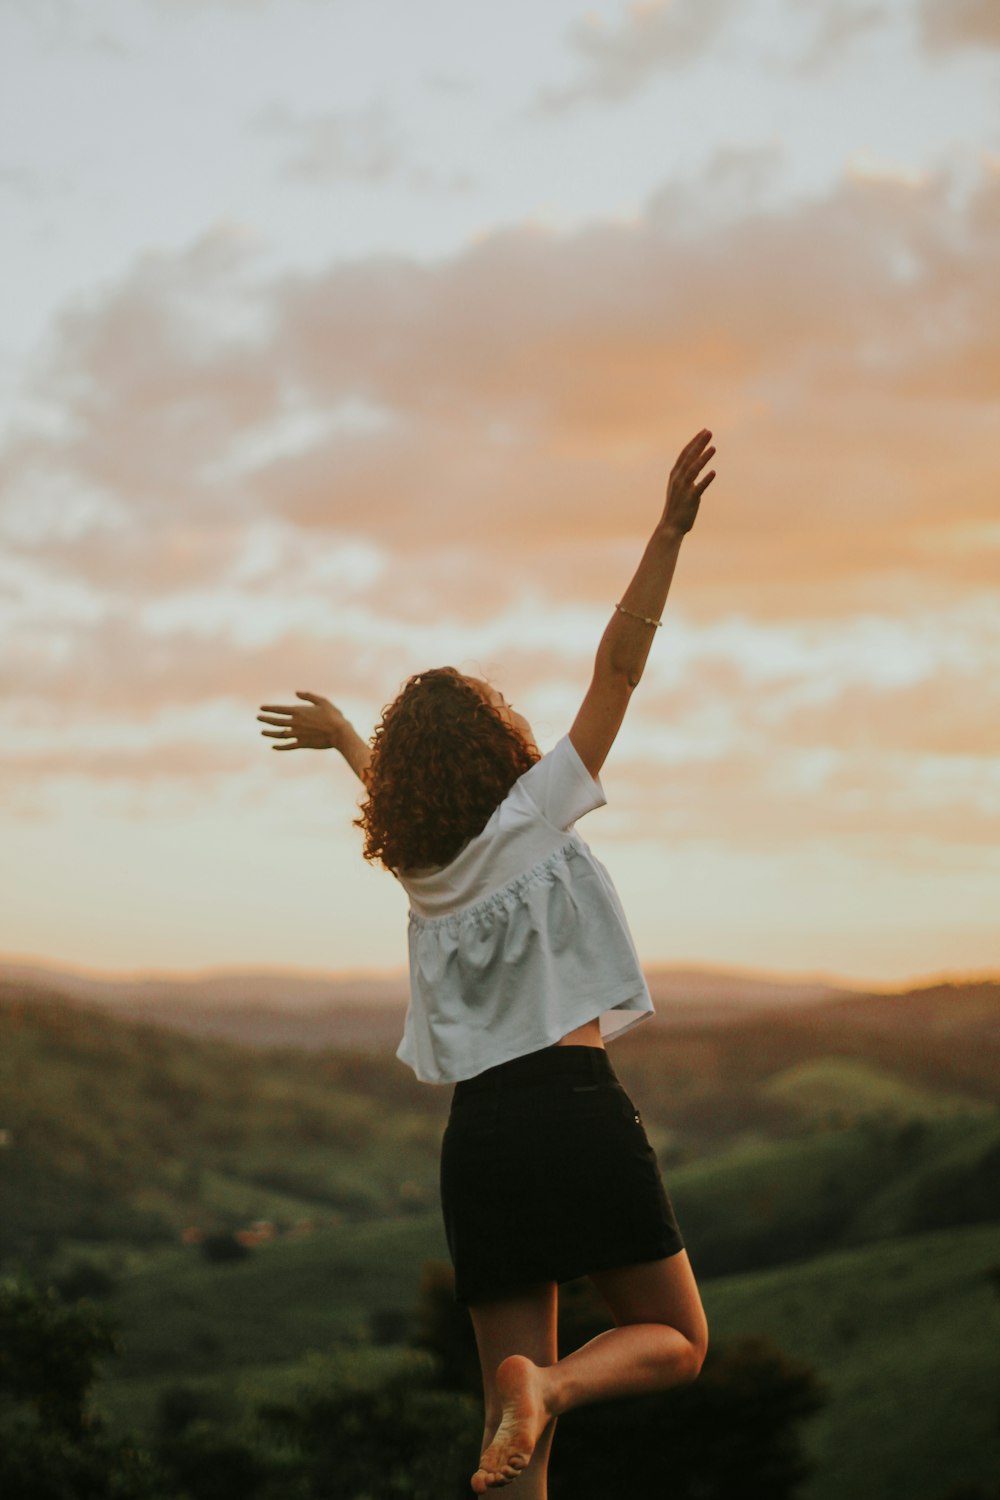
point(341, 735)
point(669, 534)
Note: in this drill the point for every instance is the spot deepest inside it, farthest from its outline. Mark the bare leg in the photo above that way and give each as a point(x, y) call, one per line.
point(524, 1323)
point(660, 1341)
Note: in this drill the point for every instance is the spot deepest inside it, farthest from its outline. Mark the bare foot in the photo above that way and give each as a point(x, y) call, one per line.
point(525, 1417)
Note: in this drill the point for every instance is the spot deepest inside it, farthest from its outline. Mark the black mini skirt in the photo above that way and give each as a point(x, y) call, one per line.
point(547, 1174)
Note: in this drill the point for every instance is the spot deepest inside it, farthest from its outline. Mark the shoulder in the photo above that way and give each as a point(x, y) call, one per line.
point(560, 786)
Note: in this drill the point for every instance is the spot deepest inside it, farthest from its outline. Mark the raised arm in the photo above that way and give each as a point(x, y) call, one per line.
point(316, 724)
point(625, 644)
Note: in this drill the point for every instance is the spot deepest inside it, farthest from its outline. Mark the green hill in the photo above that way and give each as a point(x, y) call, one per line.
point(906, 1333)
point(121, 1133)
point(759, 1203)
point(837, 1192)
point(839, 1090)
point(903, 1332)
point(117, 1131)
point(182, 1317)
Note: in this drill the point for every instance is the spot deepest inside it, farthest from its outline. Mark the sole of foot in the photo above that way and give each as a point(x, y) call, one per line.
point(524, 1419)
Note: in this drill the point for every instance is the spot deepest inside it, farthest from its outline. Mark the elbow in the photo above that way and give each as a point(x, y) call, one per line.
point(625, 672)
point(614, 664)
point(618, 678)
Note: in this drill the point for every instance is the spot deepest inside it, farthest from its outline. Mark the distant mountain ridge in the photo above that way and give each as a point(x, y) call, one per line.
point(273, 1008)
point(272, 989)
point(291, 989)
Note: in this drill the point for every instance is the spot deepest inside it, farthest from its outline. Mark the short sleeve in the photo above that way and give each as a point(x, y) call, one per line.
point(561, 787)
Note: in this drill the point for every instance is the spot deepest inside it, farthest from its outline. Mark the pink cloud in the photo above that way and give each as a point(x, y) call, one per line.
point(536, 387)
point(117, 668)
point(771, 800)
point(949, 24)
point(530, 395)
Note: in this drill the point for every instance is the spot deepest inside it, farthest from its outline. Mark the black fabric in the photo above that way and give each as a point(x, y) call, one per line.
point(547, 1174)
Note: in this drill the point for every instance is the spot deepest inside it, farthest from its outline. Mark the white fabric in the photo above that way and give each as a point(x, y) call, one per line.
point(522, 937)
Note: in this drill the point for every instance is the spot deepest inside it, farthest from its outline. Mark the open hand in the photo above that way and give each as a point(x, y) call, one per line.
point(684, 492)
point(315, 725)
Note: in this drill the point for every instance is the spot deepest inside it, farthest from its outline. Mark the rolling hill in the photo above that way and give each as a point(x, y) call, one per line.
point(833, 1165)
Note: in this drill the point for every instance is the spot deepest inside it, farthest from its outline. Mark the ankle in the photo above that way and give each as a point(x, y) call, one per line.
point(555, 1390)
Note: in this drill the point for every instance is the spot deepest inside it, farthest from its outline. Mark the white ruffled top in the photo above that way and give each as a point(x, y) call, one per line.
point(522, 937)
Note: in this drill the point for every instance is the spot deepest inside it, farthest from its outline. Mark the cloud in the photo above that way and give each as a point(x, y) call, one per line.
point(337, 145)
point(362, 145)
point(535, 376)
point(245, 484)
point(775, 765)
point(774, 800)
point(947, 25)
point(840, 24)
point(534, 388)
point(865, 686)
point(63, 27)
point(520, 385)
point(24, 182)
point(190, 763)
point(442, 82)
point(655, 36)
point(117, 668)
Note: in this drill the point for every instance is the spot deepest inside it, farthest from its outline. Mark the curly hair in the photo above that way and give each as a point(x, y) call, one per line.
point(442, 760)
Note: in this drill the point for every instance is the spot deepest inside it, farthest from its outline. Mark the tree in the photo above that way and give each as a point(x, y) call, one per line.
point(223, 1248)
point(734, 1431)
point(405, 1437)
point(443, 1327)
point(52, 1447)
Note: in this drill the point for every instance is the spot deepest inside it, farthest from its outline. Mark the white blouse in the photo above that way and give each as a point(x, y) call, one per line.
point(521, 938)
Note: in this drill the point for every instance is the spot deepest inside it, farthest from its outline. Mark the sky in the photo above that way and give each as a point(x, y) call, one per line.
point(341, 341)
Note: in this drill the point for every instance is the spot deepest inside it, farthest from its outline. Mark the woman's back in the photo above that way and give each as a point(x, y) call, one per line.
point(521, 939)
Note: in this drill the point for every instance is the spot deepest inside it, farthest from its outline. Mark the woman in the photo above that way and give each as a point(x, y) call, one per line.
point(521, 967)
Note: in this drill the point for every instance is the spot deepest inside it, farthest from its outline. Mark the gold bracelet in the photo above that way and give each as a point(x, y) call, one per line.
point(644, 618)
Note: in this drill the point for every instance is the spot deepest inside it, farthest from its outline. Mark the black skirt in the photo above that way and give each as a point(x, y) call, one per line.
point(547, 1174)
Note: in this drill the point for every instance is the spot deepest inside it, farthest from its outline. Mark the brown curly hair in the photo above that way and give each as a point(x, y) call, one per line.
point(442, 760)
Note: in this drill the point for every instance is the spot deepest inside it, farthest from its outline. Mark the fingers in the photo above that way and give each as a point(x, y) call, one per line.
point(697, 461)
point(698, 441)
point(285, 731)
point(691, 455)
point(291, 708)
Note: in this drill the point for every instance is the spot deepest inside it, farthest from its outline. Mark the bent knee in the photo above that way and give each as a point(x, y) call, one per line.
point(699, 1348)
point(695, 1349)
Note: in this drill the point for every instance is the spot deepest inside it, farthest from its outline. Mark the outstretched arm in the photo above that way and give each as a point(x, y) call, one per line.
point(316, 725)
point(625, 644)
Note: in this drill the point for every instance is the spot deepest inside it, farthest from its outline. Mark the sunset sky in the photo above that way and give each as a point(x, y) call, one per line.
point(344, 340)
